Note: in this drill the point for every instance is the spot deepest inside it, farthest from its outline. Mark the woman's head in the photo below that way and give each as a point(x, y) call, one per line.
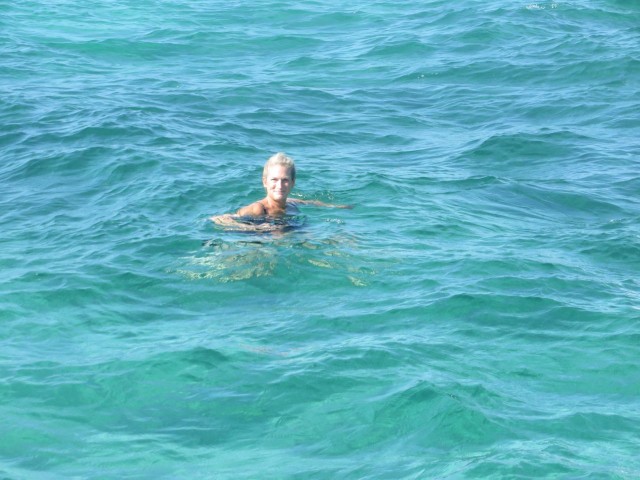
point(280, 159)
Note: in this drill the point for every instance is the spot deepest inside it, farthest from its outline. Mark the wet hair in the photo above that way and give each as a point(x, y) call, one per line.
point(280, 159)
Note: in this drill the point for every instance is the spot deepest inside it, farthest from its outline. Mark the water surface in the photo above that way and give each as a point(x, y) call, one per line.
point(476, 315)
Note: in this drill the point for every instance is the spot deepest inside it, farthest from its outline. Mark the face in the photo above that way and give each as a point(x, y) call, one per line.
point(278, 182)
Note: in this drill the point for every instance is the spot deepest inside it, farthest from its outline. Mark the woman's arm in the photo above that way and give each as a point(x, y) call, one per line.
point(230, 222)
point(318, 203)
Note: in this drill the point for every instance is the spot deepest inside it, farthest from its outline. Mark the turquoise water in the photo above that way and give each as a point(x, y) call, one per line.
point(476, 315)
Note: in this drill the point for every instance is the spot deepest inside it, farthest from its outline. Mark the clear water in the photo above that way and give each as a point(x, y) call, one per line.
point(476, 315)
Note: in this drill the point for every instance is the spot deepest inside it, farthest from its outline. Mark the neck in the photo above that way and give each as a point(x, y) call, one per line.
point(276, 205)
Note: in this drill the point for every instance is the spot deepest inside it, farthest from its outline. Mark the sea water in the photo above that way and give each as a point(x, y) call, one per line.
point(475, 315)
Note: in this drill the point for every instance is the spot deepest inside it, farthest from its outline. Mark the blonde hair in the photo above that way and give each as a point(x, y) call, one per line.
point(280, 159)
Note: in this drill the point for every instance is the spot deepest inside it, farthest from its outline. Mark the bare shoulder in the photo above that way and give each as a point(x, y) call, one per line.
point(256, 209)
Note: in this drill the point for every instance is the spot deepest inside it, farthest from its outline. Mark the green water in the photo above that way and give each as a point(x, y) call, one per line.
point(475, 315)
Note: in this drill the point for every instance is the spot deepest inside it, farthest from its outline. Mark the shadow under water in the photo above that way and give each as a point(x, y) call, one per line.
point(292, 250)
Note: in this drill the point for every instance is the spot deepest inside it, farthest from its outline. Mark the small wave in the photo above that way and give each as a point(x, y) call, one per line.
point(541, 6)
point(517, 148)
